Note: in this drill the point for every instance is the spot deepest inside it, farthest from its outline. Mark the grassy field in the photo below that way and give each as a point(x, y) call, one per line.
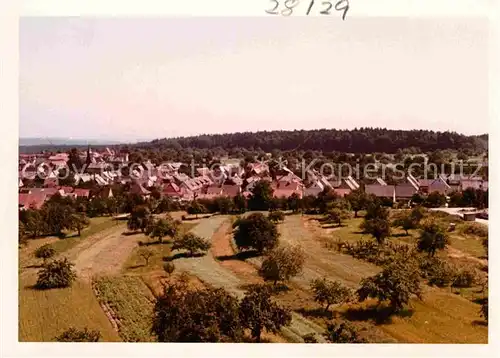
point(45, 314)
point(96, 225)
point(443, 316)
point(137, 265)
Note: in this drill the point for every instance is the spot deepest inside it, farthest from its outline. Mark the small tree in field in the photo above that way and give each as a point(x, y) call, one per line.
point(433, 237)
point(330, 293)
point(191, 243)
point(337, 215)
point(408, 220)
point(396, 284)
point(146, 254)
point(78, 222)
point(45, 252)
point(164, 227)
point(76, 335)
point(282, 263)
point(169, 268)
point(359, 200)
point(56, 274)
point(258, 312)
point(379, 228)
point(276, 216)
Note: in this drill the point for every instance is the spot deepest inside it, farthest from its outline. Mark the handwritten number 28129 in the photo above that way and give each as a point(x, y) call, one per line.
point(341, 5)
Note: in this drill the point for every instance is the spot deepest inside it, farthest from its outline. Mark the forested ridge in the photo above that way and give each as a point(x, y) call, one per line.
point(363, 140)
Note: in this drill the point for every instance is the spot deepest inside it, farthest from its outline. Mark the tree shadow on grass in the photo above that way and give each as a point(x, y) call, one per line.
point(242, 256)
point(480, 323)
point(130, 233)
point(316, 312)
point(401, 234)
point(275, 289)
point(377, 314)
point(181, 255)
point(133, 267)
point(332, 226)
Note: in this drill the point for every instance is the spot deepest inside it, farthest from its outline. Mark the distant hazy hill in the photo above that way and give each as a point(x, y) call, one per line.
point(63, 142)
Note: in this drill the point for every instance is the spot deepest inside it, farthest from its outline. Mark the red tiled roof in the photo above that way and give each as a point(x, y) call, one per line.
point(386, 191)
point(82, 192)
point(32, 200)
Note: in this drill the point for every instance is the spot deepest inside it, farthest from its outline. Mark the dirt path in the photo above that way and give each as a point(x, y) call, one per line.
point(103, 253)
point(321, 262)
point(213, 272)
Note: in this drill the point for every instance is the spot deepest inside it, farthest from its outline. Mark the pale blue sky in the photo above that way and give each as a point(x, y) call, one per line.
point(130, 79)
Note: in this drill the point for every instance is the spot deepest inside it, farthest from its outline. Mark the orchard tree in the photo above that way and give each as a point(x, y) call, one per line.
point(255, 232)
point(78, 222)
point(169, 268)
point(282, 263)
point(338, 215)
point(359, 200)
point(181, 314)
point(75, 335)
point(140, 218)
point(45, 252)
point(380, 229)
point(262, 196)
point(258, 312)
point(433, 237)
point(146, 254)
point(191, 243)
point(56, 274)
point(396, 283)
point(329, 293)
point(164, 227)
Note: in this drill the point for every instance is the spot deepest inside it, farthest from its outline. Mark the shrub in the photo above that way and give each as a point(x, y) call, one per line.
point(45, 252)
point(75, 335)
point(276, 216)
point(344, 332)
point(310, 338)
point(476, 229)
point(437, 271)
point(466, 277)
point(56, 274)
